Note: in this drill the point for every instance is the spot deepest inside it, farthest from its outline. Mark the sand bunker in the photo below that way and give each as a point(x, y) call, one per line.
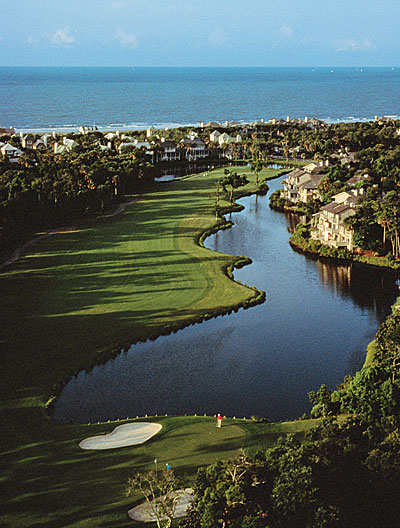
point(122, 436)
point(143, 512)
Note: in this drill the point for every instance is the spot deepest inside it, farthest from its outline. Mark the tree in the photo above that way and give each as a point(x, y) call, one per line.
point(325, 402)
point(229, 493)
point(256, 167)
point(233, 180)
point(159, 491)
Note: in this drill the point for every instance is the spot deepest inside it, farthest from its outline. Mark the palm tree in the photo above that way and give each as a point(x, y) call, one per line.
point(233, 180)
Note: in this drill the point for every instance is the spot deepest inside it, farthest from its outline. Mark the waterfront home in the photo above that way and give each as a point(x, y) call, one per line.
point(313, 168)
point(87, 129)
point(225, 139)
point(151, 131)
point(141, 145)
point(112, 135)
point(277, 121)
point(10, 152)
point(308, 189)
point(66, 146)
point(291, 184)
point(212, 124)
point(39, 145)
point(314, 123)
point(47, 139)
point(348, 197)
point(27, 141)
point(166, 151)
point(214, 136)
point(329, 226)
point(194, 149)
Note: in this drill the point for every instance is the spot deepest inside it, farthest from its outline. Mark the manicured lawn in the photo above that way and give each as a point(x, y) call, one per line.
point(70, 301)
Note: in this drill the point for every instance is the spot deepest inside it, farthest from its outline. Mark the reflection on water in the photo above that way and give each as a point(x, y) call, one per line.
point(173, 173)
point(313, 329)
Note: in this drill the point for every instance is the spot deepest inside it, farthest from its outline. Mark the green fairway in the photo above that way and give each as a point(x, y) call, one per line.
point(76, 298)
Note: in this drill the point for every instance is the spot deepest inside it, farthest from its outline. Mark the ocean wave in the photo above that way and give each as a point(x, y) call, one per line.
point(74, 127)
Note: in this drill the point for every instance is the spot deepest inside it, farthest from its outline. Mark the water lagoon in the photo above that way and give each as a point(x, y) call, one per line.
point(313, 328)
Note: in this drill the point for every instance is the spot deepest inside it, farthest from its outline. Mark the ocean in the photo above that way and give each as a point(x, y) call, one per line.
point(48, 98)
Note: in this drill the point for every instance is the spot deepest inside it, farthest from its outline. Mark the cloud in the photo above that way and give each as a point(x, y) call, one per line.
point(286, 31)
point(127, 40)
point(355, 45)
point(218, 38)
point(63, 36)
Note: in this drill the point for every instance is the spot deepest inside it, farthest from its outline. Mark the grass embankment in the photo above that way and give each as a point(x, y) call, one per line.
point(70, 301)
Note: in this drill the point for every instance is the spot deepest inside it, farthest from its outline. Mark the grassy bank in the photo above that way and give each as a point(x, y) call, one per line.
point(73, 300)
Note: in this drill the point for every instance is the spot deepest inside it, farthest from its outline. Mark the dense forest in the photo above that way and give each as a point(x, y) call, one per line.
point(44, 189)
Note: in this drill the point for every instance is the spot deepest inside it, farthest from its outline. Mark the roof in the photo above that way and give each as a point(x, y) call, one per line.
point(166, 144)
point(357, 178)
point(336, 208)
point(312, 183)
point(296, 173)
point(10, 148)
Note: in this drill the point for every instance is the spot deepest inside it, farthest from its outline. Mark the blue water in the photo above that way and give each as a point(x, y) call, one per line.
point(314, 328)
point(46, 98)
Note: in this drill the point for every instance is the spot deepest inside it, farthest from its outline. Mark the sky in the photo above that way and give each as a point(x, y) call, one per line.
point(200, 33)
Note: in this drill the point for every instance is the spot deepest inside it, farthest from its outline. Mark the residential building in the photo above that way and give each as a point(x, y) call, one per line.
point(88, 129)
point(329, 226)
point(166, 151)
point(358, 178)
point(67, 146)
point(291, 184)
point(10, 152)
point(225, 139)
point(308, 189)
point(194, 149)
point(151, 131)
point(27, 141)
point(313, 168)
point(39, 145)
point(214, 136)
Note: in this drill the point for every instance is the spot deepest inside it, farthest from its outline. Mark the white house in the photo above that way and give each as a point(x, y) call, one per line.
point(214, 136)
point(67, 146)
point(39, 145)
point(11, 153)
point(194, 149)
point(330, 228)
point(87, 129)
point(151, 131)
point(313, 168)
point(291, 184)
point(308, 189)
point(225, 139)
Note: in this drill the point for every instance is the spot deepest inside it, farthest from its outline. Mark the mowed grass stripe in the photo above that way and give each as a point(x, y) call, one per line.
point(77, 293)
point(93, 288)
